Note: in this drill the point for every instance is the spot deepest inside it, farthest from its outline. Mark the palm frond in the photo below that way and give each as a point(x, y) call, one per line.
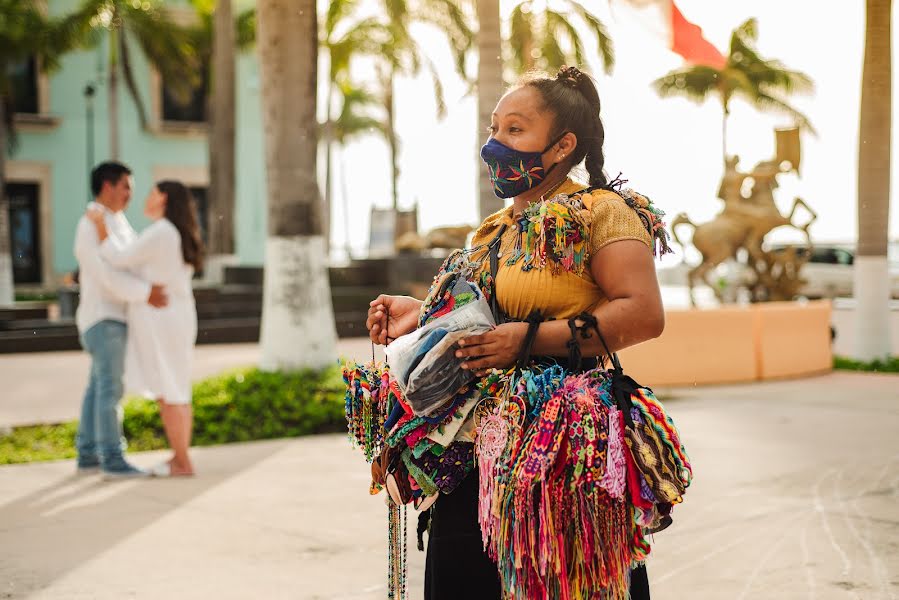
point(397, 12)
point(128, 74)
point(743, 56)
point(603, 39)
point(449, 17)
point(246, 29)
point(521, 37)
point(748, 30)
point(203, 7)
point(552, 56)
point(696, 83)
point(438, 88)
point(338, 10)
point(353, 120)
point(558, 27)
point(166, 45)
point(25, 31)
point(768, 102)
point(368, 37)
point(774, 75)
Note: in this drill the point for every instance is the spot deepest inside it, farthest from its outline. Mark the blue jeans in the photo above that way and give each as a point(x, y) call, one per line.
point(100, 440)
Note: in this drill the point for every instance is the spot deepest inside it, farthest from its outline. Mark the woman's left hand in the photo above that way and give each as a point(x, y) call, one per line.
point(495, 349)
point(95, 215)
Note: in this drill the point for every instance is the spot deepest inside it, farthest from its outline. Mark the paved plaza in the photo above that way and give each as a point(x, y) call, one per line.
point(796, 496)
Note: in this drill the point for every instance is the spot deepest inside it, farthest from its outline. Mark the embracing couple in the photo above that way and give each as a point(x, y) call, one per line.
point(136, 317)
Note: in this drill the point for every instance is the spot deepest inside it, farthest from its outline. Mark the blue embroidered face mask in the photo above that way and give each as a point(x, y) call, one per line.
point(514, 172)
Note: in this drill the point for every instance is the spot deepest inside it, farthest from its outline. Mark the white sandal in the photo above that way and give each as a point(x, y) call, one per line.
point(163, 469)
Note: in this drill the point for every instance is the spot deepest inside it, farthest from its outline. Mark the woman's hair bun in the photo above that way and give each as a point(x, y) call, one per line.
point(570, 76)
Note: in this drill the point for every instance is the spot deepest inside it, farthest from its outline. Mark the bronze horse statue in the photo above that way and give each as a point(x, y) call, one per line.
point(743, 224)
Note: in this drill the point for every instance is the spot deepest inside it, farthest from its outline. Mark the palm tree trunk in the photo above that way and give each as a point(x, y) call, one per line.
point(113, 95)
point(872, 290)
point(329, 142)
point(297, 318)
point(7, 286)
point(392, 140)
point(490, 88)
point(724, 134)
point(221, 146)
point(348, 242)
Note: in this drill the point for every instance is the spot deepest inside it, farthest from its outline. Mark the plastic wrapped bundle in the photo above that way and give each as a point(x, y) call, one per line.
point(424, 362)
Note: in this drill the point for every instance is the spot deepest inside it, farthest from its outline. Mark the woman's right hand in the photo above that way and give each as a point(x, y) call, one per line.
point(393, 315)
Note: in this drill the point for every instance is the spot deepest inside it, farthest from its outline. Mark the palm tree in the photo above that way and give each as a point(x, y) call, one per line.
point(216, 39)
point(490, 88)
point(403, 57)
point(872, 292)
point(24, 33)
point(354, 120)
point(297, 317)
point(547, 40)
point(165, 44)
point(366, 37)
point(544, 39)
point(761, 82)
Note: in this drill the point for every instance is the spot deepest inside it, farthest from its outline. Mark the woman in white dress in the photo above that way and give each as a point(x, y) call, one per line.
point(161, 340)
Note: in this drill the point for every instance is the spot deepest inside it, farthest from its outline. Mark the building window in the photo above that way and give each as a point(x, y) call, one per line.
point(201, 195)
point(25, 231)
point(23, 76)
point(186, 110)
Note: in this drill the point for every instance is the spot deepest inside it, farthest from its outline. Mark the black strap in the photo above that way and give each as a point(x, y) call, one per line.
point(623, 386)
point(494, 269)
point(424, 522)
point(533, 321)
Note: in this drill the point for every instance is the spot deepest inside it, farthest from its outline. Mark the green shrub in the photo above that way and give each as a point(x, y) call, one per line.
point(38, 442)
point(239, 406)
point(890, 365)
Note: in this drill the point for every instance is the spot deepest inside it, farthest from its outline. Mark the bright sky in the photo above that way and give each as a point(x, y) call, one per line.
point(669, 149)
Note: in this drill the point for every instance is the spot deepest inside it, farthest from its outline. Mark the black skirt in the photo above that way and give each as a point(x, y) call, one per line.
point(457, 566)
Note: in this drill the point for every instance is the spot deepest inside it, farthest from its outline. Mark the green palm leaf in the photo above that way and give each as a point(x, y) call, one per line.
point(522, 37)
point(165, 44)
point(559, 28)
point(603, 40)
point(246, 29)
point(772, 103)
point(449, 18)
point(338, 10)
point(696, 83)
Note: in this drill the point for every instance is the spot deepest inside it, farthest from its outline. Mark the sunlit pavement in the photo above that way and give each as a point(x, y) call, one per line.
point(796, 495)
point(46, 387)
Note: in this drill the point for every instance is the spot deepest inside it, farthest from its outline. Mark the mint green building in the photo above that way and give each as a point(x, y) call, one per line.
point(62, 131)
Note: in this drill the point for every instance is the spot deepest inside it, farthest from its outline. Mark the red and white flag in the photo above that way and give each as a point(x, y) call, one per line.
point(681, 36)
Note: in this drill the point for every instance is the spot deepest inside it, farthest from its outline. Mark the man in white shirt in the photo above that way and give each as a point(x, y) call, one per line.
point(101, 318)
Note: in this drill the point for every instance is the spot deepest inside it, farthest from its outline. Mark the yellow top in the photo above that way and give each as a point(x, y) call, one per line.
point(563, 294)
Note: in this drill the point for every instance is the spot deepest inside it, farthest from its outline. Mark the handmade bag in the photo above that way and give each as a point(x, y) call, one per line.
point(652, 438)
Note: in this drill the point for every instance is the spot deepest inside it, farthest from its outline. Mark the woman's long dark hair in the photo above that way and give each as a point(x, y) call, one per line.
point(572, 98)
point(181, 210)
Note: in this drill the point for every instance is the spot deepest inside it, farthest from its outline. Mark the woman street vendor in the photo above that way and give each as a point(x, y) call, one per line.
point(564, 252)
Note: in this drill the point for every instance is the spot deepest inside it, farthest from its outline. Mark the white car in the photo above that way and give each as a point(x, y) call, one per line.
point(829, 272)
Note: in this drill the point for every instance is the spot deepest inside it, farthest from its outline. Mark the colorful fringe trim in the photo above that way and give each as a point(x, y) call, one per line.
point(564, 508)
point(652, 217)
point(553, 233)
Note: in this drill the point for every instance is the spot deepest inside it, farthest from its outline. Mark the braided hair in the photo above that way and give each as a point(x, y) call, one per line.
point(572, 98)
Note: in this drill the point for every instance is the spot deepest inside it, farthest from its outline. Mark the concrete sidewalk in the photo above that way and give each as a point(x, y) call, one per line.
point(796, 495)
point(46, 387)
